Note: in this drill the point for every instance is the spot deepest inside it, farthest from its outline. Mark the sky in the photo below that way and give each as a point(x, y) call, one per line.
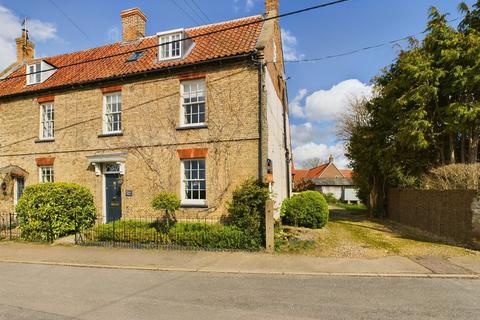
point(318, 91)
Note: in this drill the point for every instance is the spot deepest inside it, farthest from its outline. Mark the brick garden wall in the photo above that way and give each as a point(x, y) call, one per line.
point(450, 214)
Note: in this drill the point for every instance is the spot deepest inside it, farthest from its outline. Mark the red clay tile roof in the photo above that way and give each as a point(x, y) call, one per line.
point(309, 173)
point(347, 173)
point(315, 172)
point(225, 43)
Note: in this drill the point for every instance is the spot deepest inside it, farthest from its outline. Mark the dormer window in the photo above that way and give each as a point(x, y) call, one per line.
point(171, 46)
point(38, 72)
point(34, 74)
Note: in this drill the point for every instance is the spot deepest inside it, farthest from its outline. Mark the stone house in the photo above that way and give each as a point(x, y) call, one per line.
point(191, 111)
point(327, 178)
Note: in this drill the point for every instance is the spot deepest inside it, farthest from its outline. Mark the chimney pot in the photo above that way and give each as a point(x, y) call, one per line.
point(133, 24)
point(271, 6)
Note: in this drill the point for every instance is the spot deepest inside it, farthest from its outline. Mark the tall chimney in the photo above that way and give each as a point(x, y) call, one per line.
point(133, 24)
point(25, 48)
point(271, 6)
point(330, 159)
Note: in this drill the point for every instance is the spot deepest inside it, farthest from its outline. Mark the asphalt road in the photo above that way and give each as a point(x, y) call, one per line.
point(48, 292)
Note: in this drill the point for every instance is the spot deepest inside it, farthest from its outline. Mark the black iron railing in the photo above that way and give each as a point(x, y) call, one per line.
point(9, 229)
point(162, 233)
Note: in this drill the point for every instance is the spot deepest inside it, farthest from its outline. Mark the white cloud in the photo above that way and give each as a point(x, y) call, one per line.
point(289, 43)
point(302, 133)
point(329, 104)
point(113, 34)
point(247, 5)
point(322, 151)
point(295, 107)
point(41, 31)
point(11, 29)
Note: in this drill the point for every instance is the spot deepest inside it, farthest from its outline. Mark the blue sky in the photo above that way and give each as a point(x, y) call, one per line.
point(317, 91)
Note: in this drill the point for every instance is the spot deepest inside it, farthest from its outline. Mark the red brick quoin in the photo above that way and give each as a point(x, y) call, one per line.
point(192, 153)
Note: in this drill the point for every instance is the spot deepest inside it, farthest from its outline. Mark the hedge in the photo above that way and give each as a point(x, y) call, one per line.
point(51, 210)
point(187, 234)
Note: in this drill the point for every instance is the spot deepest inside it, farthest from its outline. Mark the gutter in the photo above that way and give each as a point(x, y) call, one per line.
point(143, 74)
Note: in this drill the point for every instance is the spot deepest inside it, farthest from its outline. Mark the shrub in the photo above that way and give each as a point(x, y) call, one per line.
point(453, 177)
point(188, 234)
point(307, 209)
point(129, 231)
point(166, 201)
point(212, 236)
point(247, 208)
point(51, 210)
point(330, 198)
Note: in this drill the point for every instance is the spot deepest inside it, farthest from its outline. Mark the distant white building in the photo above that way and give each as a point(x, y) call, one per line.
point(329, 179)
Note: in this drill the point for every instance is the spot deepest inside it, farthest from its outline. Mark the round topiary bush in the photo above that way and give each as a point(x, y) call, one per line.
point(307, 209)
point(166, 201)
point(51, 210)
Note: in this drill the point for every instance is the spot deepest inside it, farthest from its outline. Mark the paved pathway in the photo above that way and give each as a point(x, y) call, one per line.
point(253, 263)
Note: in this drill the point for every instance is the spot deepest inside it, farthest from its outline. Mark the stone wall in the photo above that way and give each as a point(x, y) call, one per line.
point(449, 214)
point(151, 137)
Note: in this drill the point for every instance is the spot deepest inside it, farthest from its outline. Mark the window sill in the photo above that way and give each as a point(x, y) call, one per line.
point(188, 127)
point(193, 205)
point(112, 134)
point(44, 140)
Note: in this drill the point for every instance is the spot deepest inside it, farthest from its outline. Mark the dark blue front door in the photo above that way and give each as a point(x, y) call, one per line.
point(20, 187)
point(113, 195)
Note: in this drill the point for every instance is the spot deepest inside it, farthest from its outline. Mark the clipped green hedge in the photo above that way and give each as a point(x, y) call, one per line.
point(187, 234)
point(51, 210)
point(307, 209)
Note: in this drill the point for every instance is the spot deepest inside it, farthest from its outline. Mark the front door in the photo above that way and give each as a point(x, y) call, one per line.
point(113, 196)
point(19, 186)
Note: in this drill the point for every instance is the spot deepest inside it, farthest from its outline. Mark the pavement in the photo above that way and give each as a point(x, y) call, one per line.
point(46, 292)
point(467, 267)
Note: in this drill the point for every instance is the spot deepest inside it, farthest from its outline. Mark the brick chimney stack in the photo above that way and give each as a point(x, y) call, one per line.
point(330, 159)
point(133, 24)
point(25, 48)
point(271, 6)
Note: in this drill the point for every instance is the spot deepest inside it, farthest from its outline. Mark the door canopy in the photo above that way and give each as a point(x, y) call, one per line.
point(13, 171)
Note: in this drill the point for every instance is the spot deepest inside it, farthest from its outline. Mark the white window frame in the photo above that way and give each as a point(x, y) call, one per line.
point(165, 52)
point(184, 200)
point(184, 105)
point(43, 122)
point(106, 115)
point(46, 174)
point(34, 74)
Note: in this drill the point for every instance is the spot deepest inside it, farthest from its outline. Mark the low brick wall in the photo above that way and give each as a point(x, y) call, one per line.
point(453, 214)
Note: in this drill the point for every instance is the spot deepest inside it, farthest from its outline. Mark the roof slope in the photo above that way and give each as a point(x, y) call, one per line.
point(316, 173)
point(223, 43)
